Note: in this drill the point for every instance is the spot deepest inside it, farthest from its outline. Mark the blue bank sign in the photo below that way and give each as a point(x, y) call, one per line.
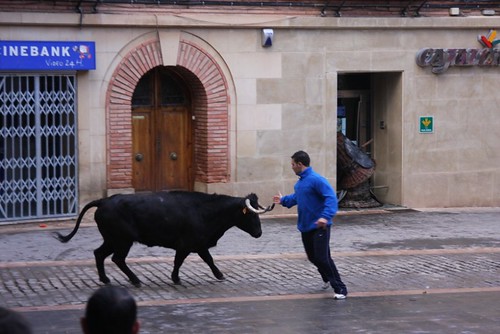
point(46, 55)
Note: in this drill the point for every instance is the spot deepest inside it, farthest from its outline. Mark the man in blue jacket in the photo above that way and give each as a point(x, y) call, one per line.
point(317, 205)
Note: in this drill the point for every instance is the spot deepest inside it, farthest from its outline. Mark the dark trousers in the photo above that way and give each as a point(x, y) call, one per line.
point(317, 247)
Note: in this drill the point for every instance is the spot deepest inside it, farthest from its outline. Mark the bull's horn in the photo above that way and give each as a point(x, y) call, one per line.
point(251, 208)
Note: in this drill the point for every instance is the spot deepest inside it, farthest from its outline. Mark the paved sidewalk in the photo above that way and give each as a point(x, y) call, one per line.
point(353, 231)
point(408, 271)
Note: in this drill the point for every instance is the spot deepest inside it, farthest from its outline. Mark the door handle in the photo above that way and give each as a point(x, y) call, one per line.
point(173, 156)
point(139, 157)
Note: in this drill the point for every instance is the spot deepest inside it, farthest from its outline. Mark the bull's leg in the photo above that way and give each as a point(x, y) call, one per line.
point(119, 257)
point(100, 255)
point(207, 257)
point(180, 256)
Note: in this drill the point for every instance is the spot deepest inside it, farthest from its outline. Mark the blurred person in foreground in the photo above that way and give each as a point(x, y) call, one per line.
point(110, 310)
point(12, 322)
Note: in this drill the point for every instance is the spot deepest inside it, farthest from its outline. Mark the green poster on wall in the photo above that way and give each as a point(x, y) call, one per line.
point(426, 124)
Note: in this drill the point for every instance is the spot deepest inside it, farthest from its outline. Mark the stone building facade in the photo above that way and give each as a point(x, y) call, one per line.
point(217, 98)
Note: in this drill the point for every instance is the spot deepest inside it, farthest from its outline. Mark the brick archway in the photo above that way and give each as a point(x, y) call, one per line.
point(210, 107)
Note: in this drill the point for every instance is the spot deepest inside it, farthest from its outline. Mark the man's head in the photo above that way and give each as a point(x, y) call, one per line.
point(300, 161)
point(13, 322)
point(110, 310)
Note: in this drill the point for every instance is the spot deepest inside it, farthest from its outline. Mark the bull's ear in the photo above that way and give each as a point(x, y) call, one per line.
point(245, 210)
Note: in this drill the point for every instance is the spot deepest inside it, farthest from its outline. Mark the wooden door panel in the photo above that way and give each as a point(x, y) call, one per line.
point(142, 151)
point(174, 154)
point(162, 134)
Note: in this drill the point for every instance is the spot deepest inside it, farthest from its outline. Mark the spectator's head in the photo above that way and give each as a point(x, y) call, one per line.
point(12, 322)
point(110, 310)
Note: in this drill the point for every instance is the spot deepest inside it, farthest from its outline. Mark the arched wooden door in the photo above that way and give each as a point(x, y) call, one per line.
point(162, 132)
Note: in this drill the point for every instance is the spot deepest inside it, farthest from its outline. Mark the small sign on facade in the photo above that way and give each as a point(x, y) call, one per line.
point(426, 124)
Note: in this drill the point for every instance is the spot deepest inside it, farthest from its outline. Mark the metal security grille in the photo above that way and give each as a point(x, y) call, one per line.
point(38, 160)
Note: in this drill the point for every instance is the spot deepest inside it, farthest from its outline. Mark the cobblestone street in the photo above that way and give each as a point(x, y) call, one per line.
point(400, 258)
point(59, 283)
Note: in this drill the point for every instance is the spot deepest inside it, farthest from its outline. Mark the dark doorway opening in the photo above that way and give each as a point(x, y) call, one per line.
point(355, 166)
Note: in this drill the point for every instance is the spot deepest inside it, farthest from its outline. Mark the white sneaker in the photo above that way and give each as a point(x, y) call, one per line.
point(325, 285)
point(339, 296)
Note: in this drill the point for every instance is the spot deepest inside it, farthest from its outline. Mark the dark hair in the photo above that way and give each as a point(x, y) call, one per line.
point(12, 322)
point(302, 157)
point(111, 310)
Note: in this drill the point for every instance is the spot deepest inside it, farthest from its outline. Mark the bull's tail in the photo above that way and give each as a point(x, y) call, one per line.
point(68, 237)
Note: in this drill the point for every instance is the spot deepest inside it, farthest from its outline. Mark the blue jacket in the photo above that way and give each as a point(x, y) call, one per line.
point(315, 198)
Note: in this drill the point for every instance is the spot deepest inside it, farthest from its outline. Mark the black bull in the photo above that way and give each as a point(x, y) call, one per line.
point(188, 222)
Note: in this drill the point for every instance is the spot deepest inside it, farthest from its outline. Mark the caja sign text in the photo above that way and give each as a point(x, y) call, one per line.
point(441, 59)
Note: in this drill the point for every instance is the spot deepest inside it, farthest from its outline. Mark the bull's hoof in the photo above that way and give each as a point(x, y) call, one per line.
point(176, 279)
point(137, 284)
point(105, 280)
point(220, 277)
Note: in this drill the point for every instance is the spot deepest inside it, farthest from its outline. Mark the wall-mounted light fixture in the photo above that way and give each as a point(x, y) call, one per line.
point(488, 12)
point(454, 11)
point(267, 37)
